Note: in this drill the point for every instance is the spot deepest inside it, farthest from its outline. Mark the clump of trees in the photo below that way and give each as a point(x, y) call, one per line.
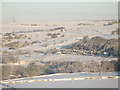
point(10, 72)
point(98, 46)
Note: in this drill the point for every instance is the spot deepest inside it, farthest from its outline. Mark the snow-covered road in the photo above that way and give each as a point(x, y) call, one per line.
point(97, 83)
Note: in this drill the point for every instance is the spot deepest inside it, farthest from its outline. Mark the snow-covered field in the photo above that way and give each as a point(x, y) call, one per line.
point(74, 30)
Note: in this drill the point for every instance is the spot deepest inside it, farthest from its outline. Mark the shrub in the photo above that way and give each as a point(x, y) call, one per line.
point(55, 35)
point(35, 69)
point(6, 72)
point(10, 57)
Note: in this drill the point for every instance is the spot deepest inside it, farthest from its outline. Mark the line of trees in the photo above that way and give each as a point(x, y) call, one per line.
point(34, 69)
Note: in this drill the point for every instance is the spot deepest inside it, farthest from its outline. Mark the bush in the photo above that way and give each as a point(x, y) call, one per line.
point(48, 71)
point(22, 71)
point(49, 34)
point(35, 69)
point(6, 72)
point(55, 35)
point(10, 57)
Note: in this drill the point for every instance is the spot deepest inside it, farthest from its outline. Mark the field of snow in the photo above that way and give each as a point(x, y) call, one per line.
point(74, 30)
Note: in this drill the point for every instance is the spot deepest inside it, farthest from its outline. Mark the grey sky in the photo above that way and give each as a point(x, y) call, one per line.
point(51, 11)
